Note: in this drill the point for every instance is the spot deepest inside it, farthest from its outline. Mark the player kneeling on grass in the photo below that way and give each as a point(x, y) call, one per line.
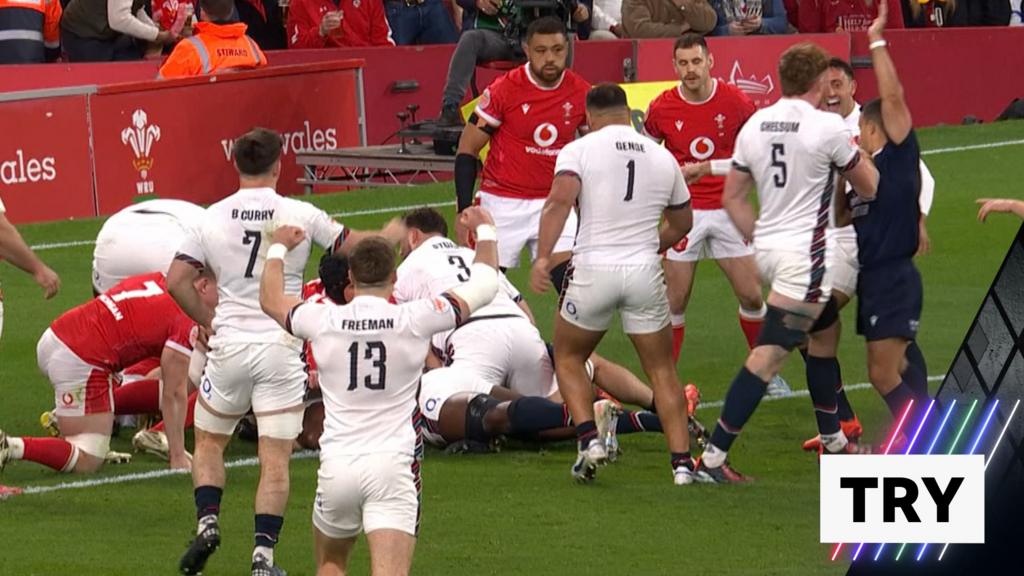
point(81, 354)
point(371, 355)
point(623, 184)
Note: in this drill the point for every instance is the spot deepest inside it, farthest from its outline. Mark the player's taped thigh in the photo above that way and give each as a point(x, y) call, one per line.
point(96, 445)
point(213, 423)
point(285, 425)
point(783, 328)
point(829, 316)
point(477, 409)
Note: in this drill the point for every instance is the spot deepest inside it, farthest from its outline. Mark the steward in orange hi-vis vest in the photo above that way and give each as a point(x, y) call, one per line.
point(213, 48)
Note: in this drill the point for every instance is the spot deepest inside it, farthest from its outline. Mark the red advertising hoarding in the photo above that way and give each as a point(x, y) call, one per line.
point(174, 139)
point(750, 63)
point(45, 170)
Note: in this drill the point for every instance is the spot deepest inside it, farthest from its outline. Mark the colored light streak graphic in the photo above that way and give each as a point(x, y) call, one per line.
point(895, 434)
point(920, 426)
point(963, 425)
point(942, 426)
point(981, 434)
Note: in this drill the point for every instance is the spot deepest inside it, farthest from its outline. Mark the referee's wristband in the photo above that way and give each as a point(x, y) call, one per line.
point(878, 44)
point(277, 251)
point(485, 232)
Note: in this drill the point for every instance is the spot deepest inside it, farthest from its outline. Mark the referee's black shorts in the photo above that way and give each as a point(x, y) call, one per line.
point(889, 300)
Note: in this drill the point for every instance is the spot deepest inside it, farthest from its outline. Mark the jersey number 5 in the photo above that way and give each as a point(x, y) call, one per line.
point(778, 151)
point(374, 351)
point(254, 238)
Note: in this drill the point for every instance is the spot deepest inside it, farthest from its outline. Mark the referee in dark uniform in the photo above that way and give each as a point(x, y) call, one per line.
point(889, 290)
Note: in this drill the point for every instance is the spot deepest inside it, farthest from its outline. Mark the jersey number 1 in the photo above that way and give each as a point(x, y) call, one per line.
point(631, 171)
point(375, 351)
point(254, 238)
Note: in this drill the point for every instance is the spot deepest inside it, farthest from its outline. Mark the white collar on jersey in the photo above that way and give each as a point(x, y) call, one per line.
point(714, 89)
point(529, 75)
point(258, 190)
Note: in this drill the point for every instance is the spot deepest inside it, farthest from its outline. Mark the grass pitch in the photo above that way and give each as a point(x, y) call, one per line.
point(516, 512)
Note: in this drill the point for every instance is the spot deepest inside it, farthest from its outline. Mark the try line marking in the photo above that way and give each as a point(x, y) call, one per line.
point(406, 208)
point(307, 454)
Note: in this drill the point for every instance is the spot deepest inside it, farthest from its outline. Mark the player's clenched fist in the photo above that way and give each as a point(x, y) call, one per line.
point(290, 236)
point(540, 279)
point(475, 216)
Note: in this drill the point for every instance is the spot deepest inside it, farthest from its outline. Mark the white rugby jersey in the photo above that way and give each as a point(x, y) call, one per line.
point(438, 265)
point(233, 240)
point(793, 150)
point(371, 355)
point(847, 233)
point(627, 182)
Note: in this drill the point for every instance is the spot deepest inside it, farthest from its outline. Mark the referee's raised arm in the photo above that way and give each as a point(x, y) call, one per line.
point(895, 112)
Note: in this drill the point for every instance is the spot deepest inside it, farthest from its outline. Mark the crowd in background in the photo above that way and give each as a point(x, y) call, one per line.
point(35, 31)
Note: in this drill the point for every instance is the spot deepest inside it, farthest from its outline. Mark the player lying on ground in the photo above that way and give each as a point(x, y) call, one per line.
point(790, 151)
point(475, 421)
point(85, 349)
point(623, 185)
point(371, 355)
point(698, 121)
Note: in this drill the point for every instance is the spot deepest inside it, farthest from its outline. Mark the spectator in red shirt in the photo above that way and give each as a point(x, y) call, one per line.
point(844, 15)
point(337, 23)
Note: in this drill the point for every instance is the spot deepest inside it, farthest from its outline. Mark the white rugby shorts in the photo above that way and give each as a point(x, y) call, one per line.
point(518, 224)
point(594, 293)
point(845, 266)
point(79, 388)
point(268, 377)
point(713, 237)
point(790, 274)
point(367, 492)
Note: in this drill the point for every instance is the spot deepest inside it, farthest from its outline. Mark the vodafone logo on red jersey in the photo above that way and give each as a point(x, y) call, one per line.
point(545, 135)
point(702, 147)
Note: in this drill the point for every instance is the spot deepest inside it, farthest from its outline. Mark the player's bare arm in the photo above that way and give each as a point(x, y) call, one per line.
point(181, 284)
point(174, 373)
point(273, 300)
point(863, 176)
point(564, 191)
point(677, 224)
point(1004, 205)
point(844, 217)
point(736, 201)
point(14, 250)
point(392, 232)
point(895, 112)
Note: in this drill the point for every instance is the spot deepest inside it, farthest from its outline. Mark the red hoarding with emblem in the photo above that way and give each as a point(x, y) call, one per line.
point(174, 139)
point(751, 63)
point(45, 169)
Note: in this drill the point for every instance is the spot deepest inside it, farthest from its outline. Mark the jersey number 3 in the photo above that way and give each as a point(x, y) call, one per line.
point(375, 351)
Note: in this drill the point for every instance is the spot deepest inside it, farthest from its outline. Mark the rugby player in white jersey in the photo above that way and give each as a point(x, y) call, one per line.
point(140, 239)
point(842, 88)
point(371, 355)
point(623, 184)
point(792, 152)
point(252, 362)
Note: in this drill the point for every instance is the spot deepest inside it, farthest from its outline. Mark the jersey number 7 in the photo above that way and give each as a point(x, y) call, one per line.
point(255, 238)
